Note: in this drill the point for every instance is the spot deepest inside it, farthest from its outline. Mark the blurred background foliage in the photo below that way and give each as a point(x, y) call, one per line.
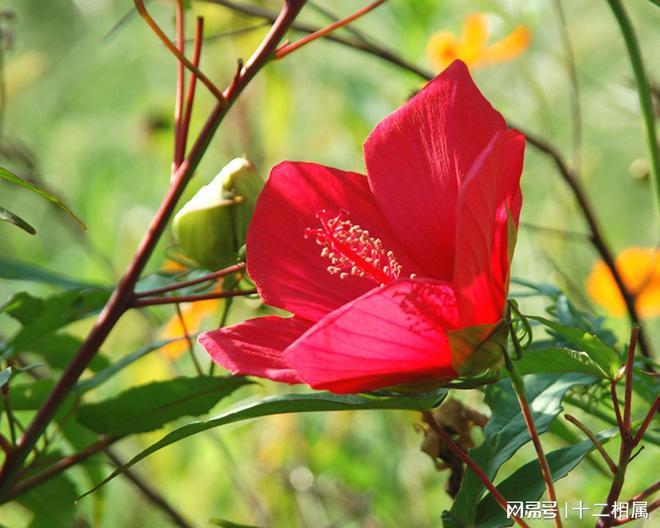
point(88, 114)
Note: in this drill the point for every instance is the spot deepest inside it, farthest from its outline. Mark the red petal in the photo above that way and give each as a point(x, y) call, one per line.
point(392, 335)
point(287, 268)
point(254, 347)
point(417, 158)
point(489, 196)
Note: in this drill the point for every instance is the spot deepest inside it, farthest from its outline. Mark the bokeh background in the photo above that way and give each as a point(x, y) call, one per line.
point(88, 113)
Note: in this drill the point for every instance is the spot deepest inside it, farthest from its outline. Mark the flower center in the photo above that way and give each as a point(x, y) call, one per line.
point(352, 251)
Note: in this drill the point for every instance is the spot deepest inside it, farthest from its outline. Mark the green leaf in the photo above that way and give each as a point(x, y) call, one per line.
point(10, 177)
point(526, 484)
point(228, 524)
point(15, 270)
point(601, 354)
point(506, 431)
point(149, 407)
point(8, 216)
point(29, 396)
point(107, 373)
point(52, 503)
point(58, 349)
point(40, 317)
point(558, 359)
point(290, 403)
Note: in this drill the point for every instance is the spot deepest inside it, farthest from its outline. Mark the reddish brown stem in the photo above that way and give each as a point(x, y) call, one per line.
point(184, 284)
point(543, 461)
point(149, 493)
point(141, 303)
point(57, 467)
point(610, 463)
point(647, 421)
point(4, 444)
point(646, 493)
point(180, 80)
point(289, 48)
point(615, 403)
point(192, 85)
point(447, 440)
point(139, 5)
point(120, 300)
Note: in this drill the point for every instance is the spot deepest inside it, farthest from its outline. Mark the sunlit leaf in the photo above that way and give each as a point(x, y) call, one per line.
point(600, 353)
point(558, 360)
point(290, 403)
point(526, 484)
point(10, 177)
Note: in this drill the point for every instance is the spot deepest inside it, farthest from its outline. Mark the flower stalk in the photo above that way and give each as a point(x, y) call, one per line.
point(643, 91)
point(519, 388)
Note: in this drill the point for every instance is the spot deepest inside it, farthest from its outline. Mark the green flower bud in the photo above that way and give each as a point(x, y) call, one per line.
point(211, 228)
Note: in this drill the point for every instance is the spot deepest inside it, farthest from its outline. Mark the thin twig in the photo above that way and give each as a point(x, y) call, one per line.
point(616, 404)
point(518, 385)
point(646, 493)
point(180, 80)
point(149, 301)
point(190, 98)
point(647, 421)
point(594, 441)
point(447, 440)
point(10, 415)
point(288, 48)
point(191, 347)
point(148, 492)
point(184, 284)
point(139, 5)
point(57, 467)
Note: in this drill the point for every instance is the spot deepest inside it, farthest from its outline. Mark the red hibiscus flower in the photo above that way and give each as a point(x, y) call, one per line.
point(395, 278)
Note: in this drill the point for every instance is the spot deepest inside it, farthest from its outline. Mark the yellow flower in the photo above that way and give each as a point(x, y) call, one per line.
point(640, 271)
point(471, 46)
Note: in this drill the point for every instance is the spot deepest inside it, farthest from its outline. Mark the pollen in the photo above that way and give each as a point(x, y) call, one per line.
point(351, 250)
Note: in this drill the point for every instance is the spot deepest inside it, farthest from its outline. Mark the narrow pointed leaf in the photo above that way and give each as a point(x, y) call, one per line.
point(8, 216)
point(290, 403)
point(12, 178)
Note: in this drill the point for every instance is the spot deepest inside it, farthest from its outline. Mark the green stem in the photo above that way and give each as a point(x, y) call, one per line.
point(643, 91)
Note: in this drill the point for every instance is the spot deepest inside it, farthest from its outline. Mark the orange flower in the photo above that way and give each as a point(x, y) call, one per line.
point(640, 270)
point(193, 315)
point(471, 46)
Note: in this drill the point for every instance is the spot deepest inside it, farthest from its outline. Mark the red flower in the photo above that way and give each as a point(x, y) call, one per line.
point(392, 278)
